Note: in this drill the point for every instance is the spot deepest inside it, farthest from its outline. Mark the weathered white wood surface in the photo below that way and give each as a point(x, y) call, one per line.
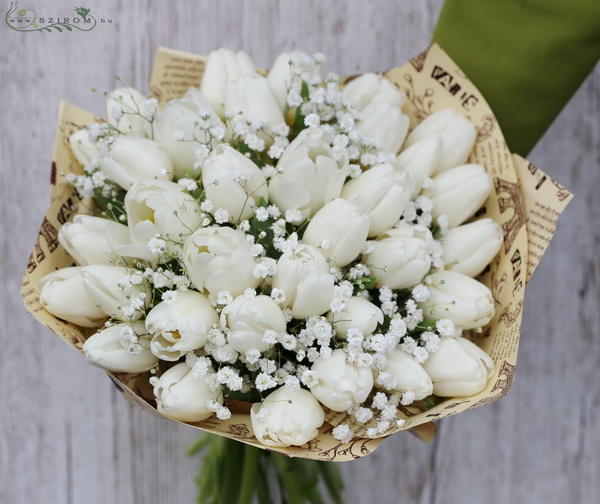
point(66, 435)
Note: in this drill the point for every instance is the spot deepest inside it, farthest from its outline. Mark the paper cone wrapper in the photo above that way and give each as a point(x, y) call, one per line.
point(525, 201)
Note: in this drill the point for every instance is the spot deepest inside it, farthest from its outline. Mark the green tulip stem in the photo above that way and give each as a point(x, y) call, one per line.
point(248, 477)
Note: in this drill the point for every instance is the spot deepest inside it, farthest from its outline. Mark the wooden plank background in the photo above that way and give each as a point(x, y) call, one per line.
point(66, 435)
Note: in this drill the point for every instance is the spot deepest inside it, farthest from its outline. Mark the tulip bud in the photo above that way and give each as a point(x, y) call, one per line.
point(133, 158)
point(458, 136)
point(108, 286)
point(252, 96)
point(124, 107)
point(401, 256)
point(158, 207)
point(63, 294)
point(287, 417)
point(219, 259)
point(380, 192)
point(465, 301)
point(358, 313)
point(385, 123)
point(84, 151)
point(180, 326)
point(105, 349)
point(341, 384)
point(232, 182)
point(177, 130)
point(419, 161)
point(407, 375)
point(223, 66)
point(459, 368)
point(342, 228)
point(119, 240)
point(458, 193)
point(85, 240)
point(249, 319)
point(286, 67)
point(311, 174)
point(182, 396)
point(304, 277)
point(371, 87)
point(469, 248)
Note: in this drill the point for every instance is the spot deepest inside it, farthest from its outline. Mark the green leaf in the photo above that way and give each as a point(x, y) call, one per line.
point(199, 445)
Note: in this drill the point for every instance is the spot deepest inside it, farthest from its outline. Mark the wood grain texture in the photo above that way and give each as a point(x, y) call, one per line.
point(66, 434)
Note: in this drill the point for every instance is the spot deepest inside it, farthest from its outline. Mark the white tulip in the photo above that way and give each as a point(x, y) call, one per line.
point(340, 230)
point(108, 287)
point(119, 240)
point(286, 67)
point(232, 182)
point(386, 123)
point(341, 384)
point(132, 158)
point(85, 240)
point(219, 259)
point(311, 175)
point(459, 368)
point(401, 256)
point(287, 417)
point(304, 277)
point(469, 248)
point(182, 396)
point(159, 207)
point(371, 87)
point(123, 108)
point(249, 98)
point(180, 326)
point(105, 350)
point(382, 192)
point(247, 320)
point(358, 313)
point(223, 66)
point(83, 149)
point(180, 119)
point(458, 193)
point(419, 161)
point(407, 374)
point(465, 301)
point(63, 294)
point(458, 136)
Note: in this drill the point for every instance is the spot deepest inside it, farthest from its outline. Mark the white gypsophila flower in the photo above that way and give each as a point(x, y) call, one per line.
point(343, 433)
point(420, 293)
point(380, 401)
point(169, 297)
point(445, 328)
point(264, 382)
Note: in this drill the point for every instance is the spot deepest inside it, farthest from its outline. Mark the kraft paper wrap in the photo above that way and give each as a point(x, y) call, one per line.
point(525, 201)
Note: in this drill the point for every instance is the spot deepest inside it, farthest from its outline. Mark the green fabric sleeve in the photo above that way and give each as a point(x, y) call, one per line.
point(527, 57)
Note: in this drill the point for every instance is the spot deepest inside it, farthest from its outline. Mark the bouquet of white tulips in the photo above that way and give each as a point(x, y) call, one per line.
point(285, 255)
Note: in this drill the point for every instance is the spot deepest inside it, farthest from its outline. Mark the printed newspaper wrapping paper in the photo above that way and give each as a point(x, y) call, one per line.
point(525, 201)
